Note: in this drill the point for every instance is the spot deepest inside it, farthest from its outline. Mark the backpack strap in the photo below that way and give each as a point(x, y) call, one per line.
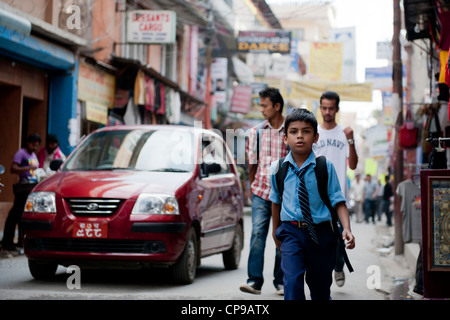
point(258, 128)
point(280, 175)
point(322, 176)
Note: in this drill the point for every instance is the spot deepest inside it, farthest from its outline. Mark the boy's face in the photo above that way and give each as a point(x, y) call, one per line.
point(300, 137)
point(328, 109)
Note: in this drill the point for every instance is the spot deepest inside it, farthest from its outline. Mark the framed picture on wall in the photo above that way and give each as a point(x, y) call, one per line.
point(439, 223)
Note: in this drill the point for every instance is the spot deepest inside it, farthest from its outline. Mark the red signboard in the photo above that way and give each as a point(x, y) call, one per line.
point(242, 99)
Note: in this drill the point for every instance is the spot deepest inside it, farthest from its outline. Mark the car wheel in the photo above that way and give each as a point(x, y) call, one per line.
point(183, 272)
point(232, 256)
point(42, 270)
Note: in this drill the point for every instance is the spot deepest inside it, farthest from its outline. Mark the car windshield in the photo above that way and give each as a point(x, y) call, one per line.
point(149, 150)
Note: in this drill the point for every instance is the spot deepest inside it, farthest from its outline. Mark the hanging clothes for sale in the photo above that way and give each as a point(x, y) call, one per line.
point(162, 106)
point(444, 39)
point(175, 116)
point(139, 88)
point(131, 115)
point(410, 207)
point(150, 93)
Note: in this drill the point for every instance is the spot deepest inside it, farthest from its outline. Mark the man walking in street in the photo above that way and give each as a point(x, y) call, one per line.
point(265, 145)
point(338, 145)
point(387, 194)
point(357, 188)
point(370, 198)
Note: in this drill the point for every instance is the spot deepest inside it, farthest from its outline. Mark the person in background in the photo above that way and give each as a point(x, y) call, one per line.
point(24, 163)
point(337, 144)
point(387, 194)
point(357, 190)
point(380, 200)
point(271, 148)
point(370, 198)
point(50, 152)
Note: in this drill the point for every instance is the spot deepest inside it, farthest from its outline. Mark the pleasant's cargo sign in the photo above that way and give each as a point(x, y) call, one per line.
point(273, 41)
point(150, 26)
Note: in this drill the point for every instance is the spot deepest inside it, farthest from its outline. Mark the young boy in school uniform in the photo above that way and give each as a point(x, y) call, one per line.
point(306, 255)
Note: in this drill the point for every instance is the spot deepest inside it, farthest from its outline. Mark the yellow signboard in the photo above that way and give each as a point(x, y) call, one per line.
point(95, 85)
point(96, 112)
point(326, 61)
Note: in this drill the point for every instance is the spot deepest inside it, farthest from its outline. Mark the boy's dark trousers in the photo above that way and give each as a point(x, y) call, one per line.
point(299, 254)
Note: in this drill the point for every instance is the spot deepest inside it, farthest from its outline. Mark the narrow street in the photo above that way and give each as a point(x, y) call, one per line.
point(212, 281)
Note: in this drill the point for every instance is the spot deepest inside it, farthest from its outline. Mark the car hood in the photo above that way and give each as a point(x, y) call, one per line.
point(112, 184)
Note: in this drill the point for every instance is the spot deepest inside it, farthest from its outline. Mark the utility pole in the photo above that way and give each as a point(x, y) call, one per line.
point(397, 98)
point(210, 32)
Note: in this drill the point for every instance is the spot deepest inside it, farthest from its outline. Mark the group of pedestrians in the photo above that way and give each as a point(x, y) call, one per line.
point(307, 248)
point(372, 199)
point(25, 163)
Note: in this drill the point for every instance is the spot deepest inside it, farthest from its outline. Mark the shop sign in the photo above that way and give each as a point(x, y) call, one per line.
point(242, 99)
point(95, 85)
point(272, 41)
point(151, 26)
point(96, 112)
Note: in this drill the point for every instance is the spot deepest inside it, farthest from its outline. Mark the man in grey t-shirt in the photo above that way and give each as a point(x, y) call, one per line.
point(370, 198)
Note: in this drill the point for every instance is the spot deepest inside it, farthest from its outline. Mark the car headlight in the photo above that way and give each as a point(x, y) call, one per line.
point(41, 202)
point(156, 204)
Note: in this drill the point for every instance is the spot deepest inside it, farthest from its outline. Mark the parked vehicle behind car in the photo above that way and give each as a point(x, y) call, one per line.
point(138, 196)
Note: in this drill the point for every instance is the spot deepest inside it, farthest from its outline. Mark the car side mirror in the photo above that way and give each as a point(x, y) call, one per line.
point(208, 168)
point(55, 164)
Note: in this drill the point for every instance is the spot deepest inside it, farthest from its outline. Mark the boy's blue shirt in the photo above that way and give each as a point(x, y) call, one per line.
point(290, 208)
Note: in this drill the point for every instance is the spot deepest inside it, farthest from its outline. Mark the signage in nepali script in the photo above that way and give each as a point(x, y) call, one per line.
point(272, 41)
point(150, 26)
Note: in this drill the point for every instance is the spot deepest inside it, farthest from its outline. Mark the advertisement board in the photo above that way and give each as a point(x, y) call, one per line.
point(151, 26)
point(271, 41)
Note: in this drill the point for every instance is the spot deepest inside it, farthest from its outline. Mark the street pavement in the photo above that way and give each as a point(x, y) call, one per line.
point(378, 275)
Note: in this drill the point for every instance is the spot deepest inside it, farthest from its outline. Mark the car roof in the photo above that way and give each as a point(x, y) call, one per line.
point(158, 127)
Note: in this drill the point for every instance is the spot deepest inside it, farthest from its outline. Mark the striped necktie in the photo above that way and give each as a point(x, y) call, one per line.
point(304, 204)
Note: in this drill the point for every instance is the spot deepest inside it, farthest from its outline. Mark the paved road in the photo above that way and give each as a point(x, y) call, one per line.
point(212, 281)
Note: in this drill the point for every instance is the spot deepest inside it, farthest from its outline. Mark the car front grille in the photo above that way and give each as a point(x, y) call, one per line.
point(96, 245)
point(94, 207)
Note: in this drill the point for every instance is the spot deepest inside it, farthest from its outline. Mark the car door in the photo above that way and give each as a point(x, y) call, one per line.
point(213, 186)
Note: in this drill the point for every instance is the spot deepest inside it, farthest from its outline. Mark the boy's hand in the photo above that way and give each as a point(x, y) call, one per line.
point(349, 239)
point(277, 242)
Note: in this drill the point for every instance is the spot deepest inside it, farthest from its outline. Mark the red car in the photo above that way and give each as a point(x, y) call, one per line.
point(138, 196)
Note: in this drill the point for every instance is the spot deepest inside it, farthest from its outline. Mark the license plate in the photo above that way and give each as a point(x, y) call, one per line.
point(90, 230)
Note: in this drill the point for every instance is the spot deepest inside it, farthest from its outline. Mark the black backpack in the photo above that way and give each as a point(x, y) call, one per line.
point(321, 175)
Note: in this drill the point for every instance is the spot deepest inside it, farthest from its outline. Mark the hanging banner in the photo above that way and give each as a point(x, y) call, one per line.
point(347, 37)
point(313, 90)
point(271, 41)
point(151, 26)
point(326, 61)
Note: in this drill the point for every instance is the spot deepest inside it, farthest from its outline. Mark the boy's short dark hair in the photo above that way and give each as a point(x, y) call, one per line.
point(330, 95)
point(34, 138)
point(274, 95)
point(300, 114)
